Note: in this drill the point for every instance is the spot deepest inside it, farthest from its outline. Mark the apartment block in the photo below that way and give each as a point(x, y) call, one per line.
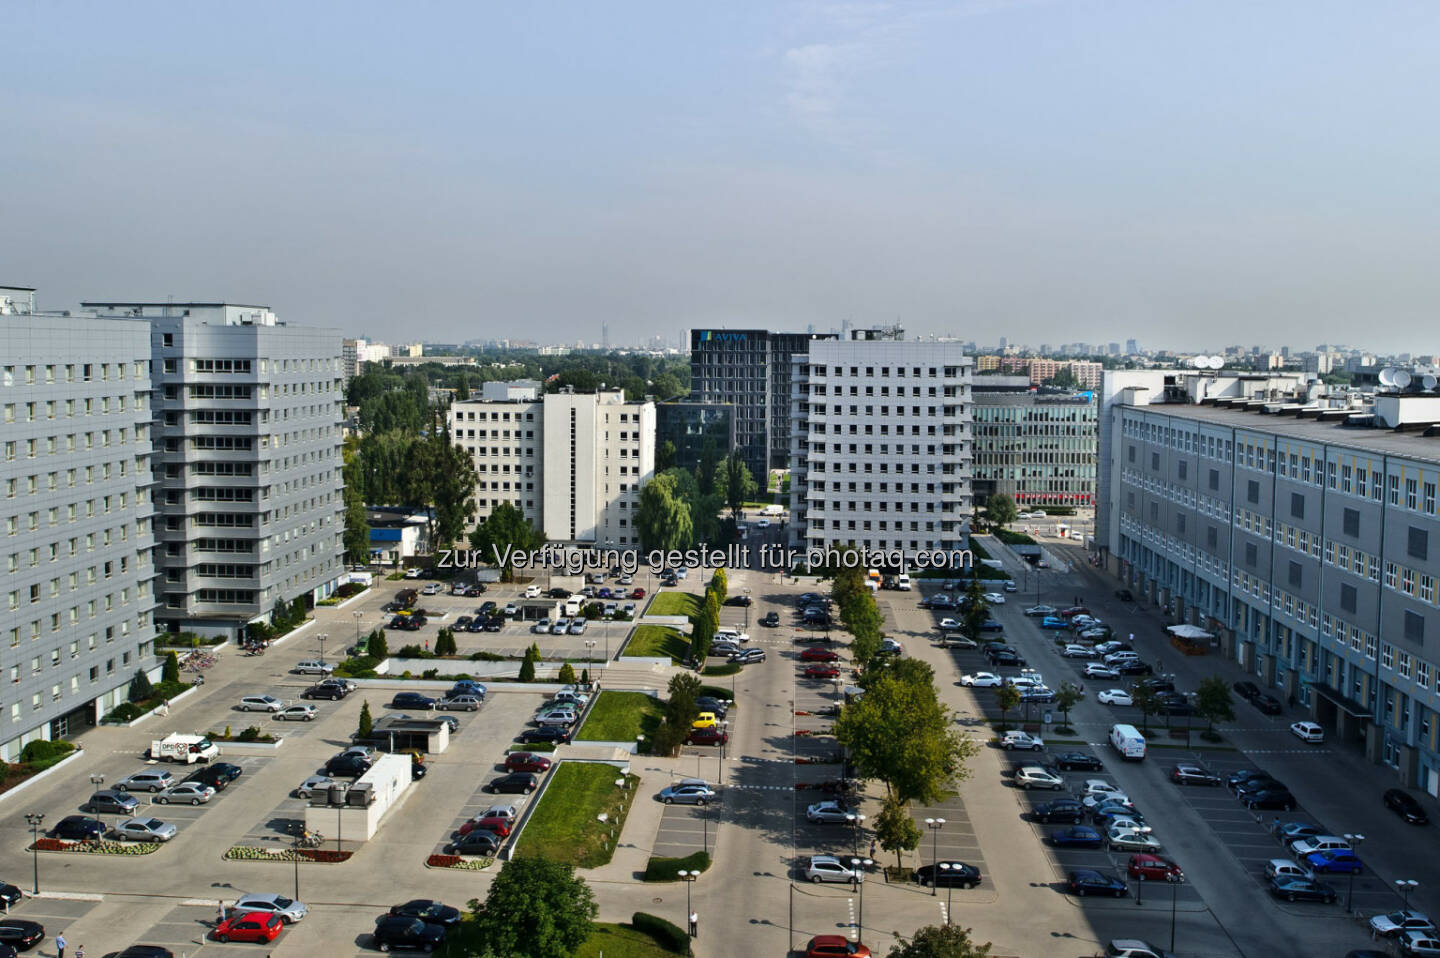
point(881, 445)
point(247, 414)
point(1297, 529)
point(76, 518)
point(572, 462)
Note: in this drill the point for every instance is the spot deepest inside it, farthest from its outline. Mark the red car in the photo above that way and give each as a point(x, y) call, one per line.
point(815, 654)
point(818, 671)
point(637, 593)
point(526, 762)
point(708, 736)
point(258, 926)
point(492, 823)
point(835, 946)
point(1154, 868)
point(1073, 611)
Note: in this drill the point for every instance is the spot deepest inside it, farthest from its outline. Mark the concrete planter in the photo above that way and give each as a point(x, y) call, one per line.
point(12, 792)
point(157, 710)
point(250, 748)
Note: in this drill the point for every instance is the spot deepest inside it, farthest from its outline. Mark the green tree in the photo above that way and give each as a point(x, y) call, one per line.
point(899, 733)
point(567, 674)
point(527, 664)
point(504, 534)
point(367, 723)
point(1147, 701)
point(140, 687)
point(663, 519)
point(895, 829)
point(376, 646)
point(171, 670)
point(1000, 510)
point(706, 468)
point(666, 386)
point(445, 642)
point(536, 908)
point(680, 712)
point(703, 627)
point(1067, 698)
point(739, 484)
point(976, 611)
point(452, 490)
point(1213, 702)
point(356, 538)
point(665, 456)
point(940, 941)
point(720, 585)
point(1007, 697)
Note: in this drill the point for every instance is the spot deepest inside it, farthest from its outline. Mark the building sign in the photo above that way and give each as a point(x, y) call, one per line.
point(711, 335)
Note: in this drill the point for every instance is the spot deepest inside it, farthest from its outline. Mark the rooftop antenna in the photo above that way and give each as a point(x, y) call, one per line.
point(1387, 377)
point(1402, 379)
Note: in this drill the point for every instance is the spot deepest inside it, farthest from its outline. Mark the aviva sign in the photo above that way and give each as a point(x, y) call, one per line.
point(711, 335)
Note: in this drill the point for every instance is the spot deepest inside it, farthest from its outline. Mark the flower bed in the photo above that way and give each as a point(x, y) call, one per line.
point(249, 853)
point(95, 847)
point(455, 861)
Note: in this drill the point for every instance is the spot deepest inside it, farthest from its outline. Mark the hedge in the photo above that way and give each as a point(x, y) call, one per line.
point(666, 935)
point(668, 869)
point(729, 668)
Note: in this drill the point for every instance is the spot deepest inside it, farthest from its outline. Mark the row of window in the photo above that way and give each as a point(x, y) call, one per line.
point(69, 408)
point(71, 372)
point(50, 445)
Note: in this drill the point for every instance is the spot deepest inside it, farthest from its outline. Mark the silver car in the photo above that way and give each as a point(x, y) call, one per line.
point(829, 812)
point(689, 791)
point(150, 780)
point(289, 910)
point(313, 784)
point(195, 793)
point(296, 713)
point(460, 703)
point(829, 868)
point(146, 830)
point(261, 703)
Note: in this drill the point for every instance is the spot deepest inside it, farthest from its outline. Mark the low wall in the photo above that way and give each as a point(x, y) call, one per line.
point(159, 710)
point(249, 748)
point(12, 792)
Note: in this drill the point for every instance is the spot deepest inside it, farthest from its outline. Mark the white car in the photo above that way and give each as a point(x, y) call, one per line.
point(541, 627)
point(1133, 948)
point(762, 523)
point(532, 592)
point(261, 703)
point(981, 680)
point(1098, 786)
point(511, 608)
point(1033, 776)
point(431, 589)
point(995, 598)
point(902, 583)
point(1039, 610)
point(950, 625)
point(1115, 697)
point(828, 868)
point(1021, 740)
point(1307, 732)
point(296, 713)
point(1010, 585)
point(412, 573)
point(1096, 799)
point(1078, 652)
point(1097, 671)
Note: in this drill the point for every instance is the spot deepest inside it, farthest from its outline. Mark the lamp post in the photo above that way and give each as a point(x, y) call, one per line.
point(358, 616)
point(934, 824)
point(949, 890)
point(855, 865)
point(34, 820)
point(1174, 895)
point(747, 610)
point(854, 818)
point(322, 637)
point(688, 878)
point(298, 832)
point(1405, 886)
point(589, 653)
point(1354, 841)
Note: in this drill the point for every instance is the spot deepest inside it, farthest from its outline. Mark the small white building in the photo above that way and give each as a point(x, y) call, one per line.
point(354, 814)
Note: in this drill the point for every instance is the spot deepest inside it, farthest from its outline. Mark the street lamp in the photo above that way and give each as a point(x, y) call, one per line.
point(855, 818)
point(747, 610)
point(589, 653)
point(322, 637)
point(1354, 841)
point(934, 824)
point(1405, 886)
point(949, 890)
point(358, 616)
point(1174, 896)
point(855, 865)
point(34, 820)
point(688, 877)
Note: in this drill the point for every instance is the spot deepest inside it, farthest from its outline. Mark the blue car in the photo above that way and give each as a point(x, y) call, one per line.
point(412, 700)
point(1054, 622)
point(1335, 861)
point(467, 687)
point(1078, 836)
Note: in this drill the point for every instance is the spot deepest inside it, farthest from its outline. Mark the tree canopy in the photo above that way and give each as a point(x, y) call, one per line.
point(663, 519)
point(536, 908)
point(506, 528)
point(940, 941)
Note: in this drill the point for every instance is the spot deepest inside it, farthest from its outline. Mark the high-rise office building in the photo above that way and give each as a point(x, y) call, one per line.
point(247, 414)
point(689, 426)
point(76, 518)
point(751, 370)
point(1039, 449)
point(881, 447)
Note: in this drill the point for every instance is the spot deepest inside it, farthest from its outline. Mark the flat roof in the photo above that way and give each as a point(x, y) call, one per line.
point(1385, 442)
point(123, 302)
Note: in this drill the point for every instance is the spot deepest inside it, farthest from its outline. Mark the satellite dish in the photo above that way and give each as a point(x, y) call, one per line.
point(1197, 362)
point(1402, 379)
point(1387, 376)
point(1428, 382)
point(1216, 362)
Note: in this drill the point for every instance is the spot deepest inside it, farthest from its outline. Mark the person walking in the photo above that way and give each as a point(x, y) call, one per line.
point(60, 944)
point(694, 925)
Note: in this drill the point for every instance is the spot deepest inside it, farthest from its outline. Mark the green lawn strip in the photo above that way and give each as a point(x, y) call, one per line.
point(619, 717)
point(620, 941)
point(565, 825)
point(656, 641)
point(674, 603)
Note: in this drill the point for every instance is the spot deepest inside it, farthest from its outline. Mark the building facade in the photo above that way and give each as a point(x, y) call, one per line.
point(881, 446)
point(1038, 449)
point(1298, 532)
point(750, 369)
point(76, 517)
point(247, 414)
point(689, 426)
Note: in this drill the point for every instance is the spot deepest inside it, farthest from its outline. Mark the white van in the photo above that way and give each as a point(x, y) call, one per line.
point(573, 606)
point(1128, 741)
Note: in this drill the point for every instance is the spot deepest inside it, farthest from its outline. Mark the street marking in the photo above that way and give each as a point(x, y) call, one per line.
point(854, 928)
point(943, 916)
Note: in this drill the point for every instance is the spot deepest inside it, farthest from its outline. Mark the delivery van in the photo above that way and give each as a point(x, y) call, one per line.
point(1127, 740)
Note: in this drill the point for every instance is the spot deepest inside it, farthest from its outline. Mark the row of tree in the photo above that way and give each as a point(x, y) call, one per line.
point(705, 623)
point(680, 508)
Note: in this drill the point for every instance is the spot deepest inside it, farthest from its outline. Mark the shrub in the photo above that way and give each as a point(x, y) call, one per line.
point(445, 643)
point(484, 656)
point(41, 750)
point(124, 712)
point(349, 589)
point(668, 869)
point(729, 668)
point(250, 734)
point(413, 652)
point(171, 670)
point(367, 724)
point(567, 674)
point(666, 935)
point(140, 687)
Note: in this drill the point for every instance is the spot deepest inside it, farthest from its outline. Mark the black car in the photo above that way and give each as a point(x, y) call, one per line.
point(1078, 761)
point(78, 828)
point(1193, 775)
point(11, 895)
point(1154, 684)
point(957, 875)
point(477, 841)
point(1174, 703)
point(1124, 595)
point(741, 600)
point(1404, 804)
point(1006, 658)
point(331, 692)
point(770, 620)
point(142, 951)
point(463, 623)
point(347, 766)
point(1246, 690)
point(1060, 810)
point(1260, 783)
point(476, 625)
point(20, 934)
point(411, 700)
point(1135, 668)
point(516, 783)
point(709, 703)
point(816, 618)
point(428, 909)
point(396, 932)
point(547, 734)
point(494, 623)
point(1301, 889)
point(1244, 775)
point(1088, 881)
point(1266, 798)
point(1267, 703)
point(210, 776)
point(558, 593)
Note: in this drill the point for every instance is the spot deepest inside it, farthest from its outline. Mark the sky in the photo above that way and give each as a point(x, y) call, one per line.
point(1191, 174)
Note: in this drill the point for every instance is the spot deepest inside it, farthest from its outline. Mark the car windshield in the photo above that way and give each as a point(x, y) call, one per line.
point(151, 823)
point(283, 902)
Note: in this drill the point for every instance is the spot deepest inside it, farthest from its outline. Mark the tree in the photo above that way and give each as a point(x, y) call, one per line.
point(367, 723)
point(940, 941)
point(703, 627)
point(899, 733)
point(567, 674)
point(1067, 698)
point(140, 687)
point(1147, 701)
point(452, 486)
point(377, 647)
point(663, 519)
point(1213, 702)
point(356, 538)
point(720, 585)
point(527, 664)
point(895, 829)
point(171, 671)
point(976, 611)
point(706, 467)
point(680, 712)
point(536, 908)
point(665, 456)
point(666, 386)
point(445, 642)
point(1007, 697)
point(739, 485)
point(502, 535)
point(1000, 510)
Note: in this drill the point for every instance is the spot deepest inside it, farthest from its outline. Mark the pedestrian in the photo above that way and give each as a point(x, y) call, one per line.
point(222, 912)
point(694, 925)
point(1275, 826)
point(80, 952)
point(872, 849)
point(60, 944)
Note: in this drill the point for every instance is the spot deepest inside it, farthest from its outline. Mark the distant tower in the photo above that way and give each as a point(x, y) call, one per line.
point(605, 336)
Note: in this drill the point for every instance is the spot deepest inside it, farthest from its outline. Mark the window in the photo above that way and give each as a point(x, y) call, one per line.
point(1214, 480)
point(1252, 491)
point(1348, 598)
point(1414, 626)
point(1296, 575)
point(1350, 523)
point(1212, 537)
point(1252, 554)
point(1297, 505)
point(1418, 545)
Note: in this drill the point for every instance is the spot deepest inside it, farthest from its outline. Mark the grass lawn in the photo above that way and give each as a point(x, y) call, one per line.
point(620, 941)
point(674, 603)
point(619, 717)
point(656, 641)
point(564, 827)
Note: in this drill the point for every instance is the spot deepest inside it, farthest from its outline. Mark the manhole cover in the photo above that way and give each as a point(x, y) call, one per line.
point(657, 901)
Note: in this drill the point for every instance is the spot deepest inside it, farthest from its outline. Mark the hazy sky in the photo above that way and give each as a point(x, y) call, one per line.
point(1190, 173)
